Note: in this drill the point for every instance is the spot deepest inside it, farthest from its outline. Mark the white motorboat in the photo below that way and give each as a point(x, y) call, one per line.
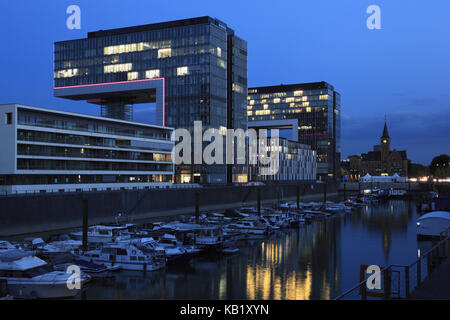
point(170, 248)
point(208, 236)
point(248, 226)
point(30, 277)
point(124, 255)
point(66, 245)
point(279, 220)
point(104, 234)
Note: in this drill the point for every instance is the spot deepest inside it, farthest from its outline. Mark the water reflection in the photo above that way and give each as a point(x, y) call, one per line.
point(316, 261)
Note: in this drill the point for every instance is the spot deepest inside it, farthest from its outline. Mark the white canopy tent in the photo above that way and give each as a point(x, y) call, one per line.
point(393, 178)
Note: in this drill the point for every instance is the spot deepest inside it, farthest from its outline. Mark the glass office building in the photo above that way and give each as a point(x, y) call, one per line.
point(203, 65)
point(316, 107)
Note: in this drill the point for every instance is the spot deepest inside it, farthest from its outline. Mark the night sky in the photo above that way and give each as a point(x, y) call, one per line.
point(402, 70)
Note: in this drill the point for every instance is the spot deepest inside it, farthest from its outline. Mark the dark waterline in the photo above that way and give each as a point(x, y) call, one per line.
point(316, 261)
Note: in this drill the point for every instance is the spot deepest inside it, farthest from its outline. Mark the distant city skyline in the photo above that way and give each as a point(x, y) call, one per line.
point(401, 70)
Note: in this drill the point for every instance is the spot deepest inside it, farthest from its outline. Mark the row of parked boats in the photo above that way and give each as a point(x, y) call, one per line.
point(34, 268)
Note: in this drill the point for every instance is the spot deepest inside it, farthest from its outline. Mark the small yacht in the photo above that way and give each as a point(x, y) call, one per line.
point(172, 249)
point(217, 219)
point(104, 233)
point(279, 220)
point(28, 276)
point(124, 255)
point(208, 236)
point(249, 226)
point(66, 245)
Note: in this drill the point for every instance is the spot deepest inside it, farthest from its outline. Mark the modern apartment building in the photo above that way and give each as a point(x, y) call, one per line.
point(193, 69)
point(310, 110)
point(46, 150)
point(296, 162)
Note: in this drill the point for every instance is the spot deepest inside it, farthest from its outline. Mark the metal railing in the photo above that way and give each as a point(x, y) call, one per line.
point(399, 281)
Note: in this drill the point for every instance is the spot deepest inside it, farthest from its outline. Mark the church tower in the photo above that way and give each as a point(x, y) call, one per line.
point(385, 143)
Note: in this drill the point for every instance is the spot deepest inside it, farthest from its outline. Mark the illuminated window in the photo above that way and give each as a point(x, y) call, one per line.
point(124, 67)
point(126, 48)
point(305, 104)
point(133, 76)
point(252, 102)
point(266, 106)
point(298, 93)
point(150, 74)
point(292, 105)
point(263, 101)
point(238, 88)
point(305, 98)
point(68, 73)
point(249, 107)
point(221, 63)
point(290, 99)
point(276, 100)
point(323, 97)
point(164, 53)
point(308, 109)
point(182, 71)
point(249, 113)
point(223, 130)
point(219, 51)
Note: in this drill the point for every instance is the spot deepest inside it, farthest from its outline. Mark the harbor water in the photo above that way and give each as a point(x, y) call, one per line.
point(314, 261)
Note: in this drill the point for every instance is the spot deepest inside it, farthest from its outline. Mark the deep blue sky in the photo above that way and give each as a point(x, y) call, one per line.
point(402, 70)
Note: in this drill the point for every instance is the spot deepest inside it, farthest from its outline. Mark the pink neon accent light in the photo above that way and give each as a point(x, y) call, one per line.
point(122, 82)
point(164, 102)
point(107, 83)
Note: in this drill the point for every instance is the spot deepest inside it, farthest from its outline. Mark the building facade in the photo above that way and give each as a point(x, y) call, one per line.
point(194, 69)
point(296, 162)
point(316, 109)
point(46, 150)
point(382, 161)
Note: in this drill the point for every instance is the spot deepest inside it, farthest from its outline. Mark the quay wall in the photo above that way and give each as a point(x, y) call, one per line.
point(355, 185)
point(27, 214)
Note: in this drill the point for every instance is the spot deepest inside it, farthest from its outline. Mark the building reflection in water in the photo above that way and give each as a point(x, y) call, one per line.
point(299, 265)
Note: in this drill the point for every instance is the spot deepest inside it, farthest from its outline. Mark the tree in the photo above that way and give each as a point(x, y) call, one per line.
point(417, 170)
point(443, 172)
point(441, 162)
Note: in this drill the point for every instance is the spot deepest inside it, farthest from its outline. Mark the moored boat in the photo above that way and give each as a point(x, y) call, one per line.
point(28, 276)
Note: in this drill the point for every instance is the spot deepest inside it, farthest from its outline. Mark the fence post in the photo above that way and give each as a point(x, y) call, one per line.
point(387, 284)
point(363, 290)
point(407, 281)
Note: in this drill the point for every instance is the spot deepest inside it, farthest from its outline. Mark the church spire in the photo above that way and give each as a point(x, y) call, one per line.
point(385, 131)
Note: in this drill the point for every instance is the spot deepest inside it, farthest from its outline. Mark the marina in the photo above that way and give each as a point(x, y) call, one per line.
point(285, 252)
